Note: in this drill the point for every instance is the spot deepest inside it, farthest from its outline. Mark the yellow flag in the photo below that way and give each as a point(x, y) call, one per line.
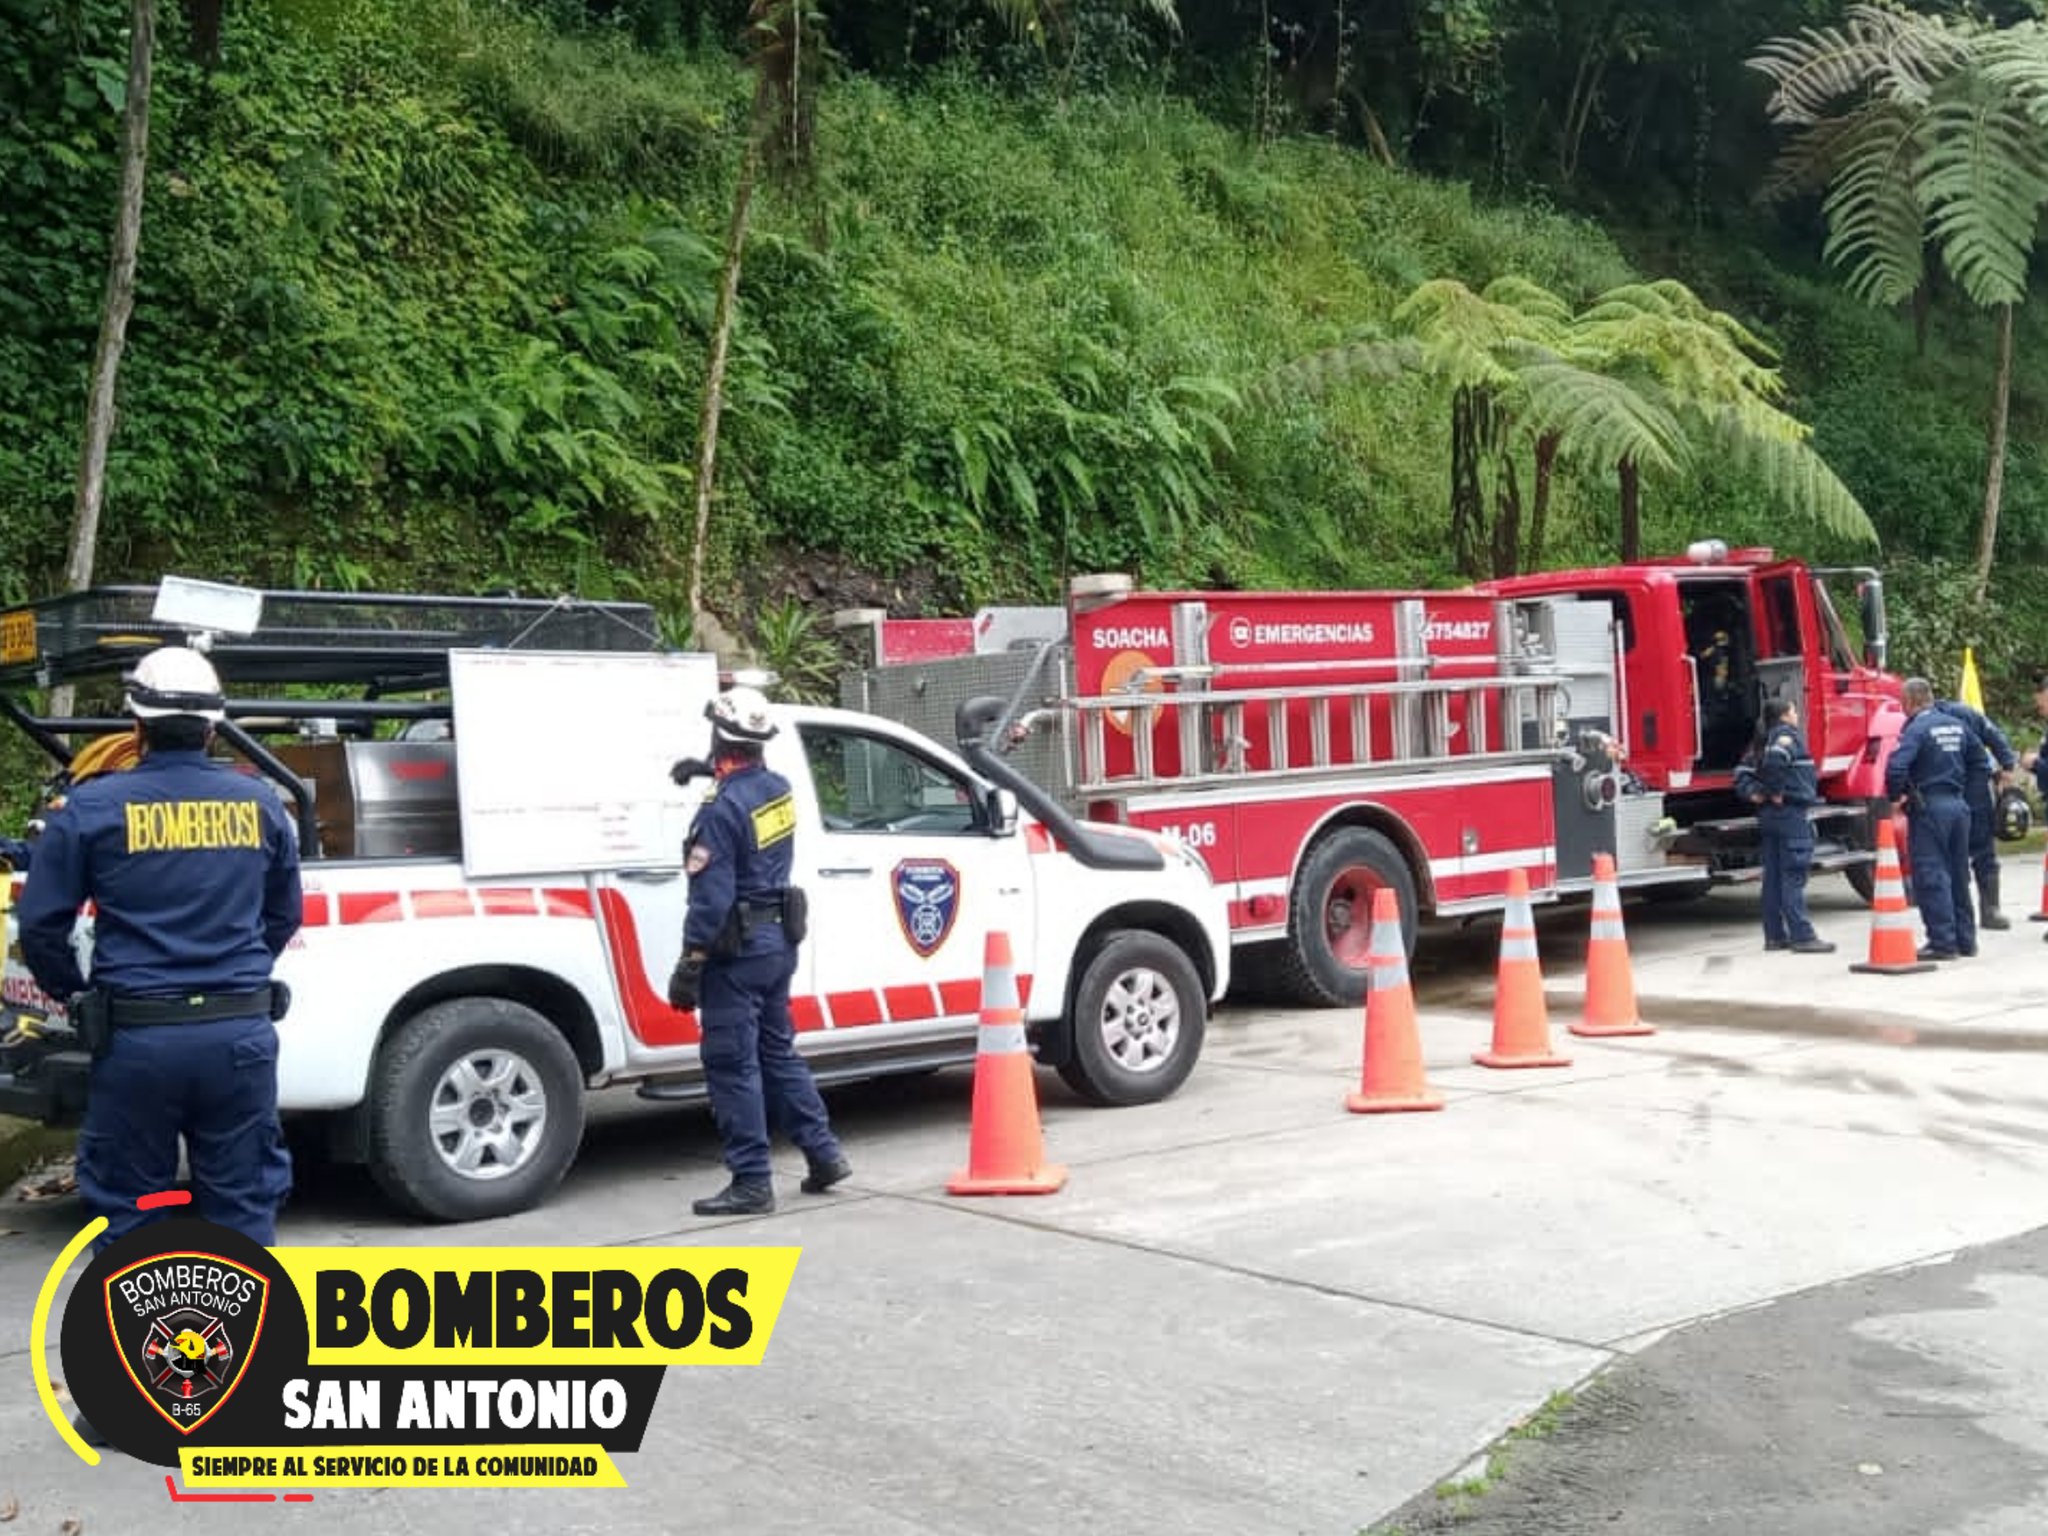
point(1971, 694)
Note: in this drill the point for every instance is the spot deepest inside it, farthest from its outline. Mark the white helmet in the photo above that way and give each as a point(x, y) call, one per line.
point(739, 715)
point(173, 680)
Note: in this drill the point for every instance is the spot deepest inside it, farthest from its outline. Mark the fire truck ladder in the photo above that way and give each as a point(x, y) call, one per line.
point(1213, 725)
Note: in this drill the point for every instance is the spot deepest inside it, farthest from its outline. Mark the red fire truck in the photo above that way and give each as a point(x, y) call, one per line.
point(1315, 747)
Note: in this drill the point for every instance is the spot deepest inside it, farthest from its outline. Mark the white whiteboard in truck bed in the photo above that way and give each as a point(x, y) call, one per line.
point(563, 758)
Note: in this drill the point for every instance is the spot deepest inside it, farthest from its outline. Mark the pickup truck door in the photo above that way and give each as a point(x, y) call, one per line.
point(906, 877)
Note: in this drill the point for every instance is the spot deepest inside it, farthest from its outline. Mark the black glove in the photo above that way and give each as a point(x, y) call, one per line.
point(688, 768)
point(682, 985)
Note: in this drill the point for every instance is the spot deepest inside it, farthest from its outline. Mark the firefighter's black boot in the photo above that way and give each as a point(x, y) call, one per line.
point(742, 1197)
point(824, 1174)
point(1991, 917)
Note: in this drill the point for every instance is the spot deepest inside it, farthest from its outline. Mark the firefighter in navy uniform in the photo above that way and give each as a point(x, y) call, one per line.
point(1786, 784)
point(1977, 795)
point(739, 952)
point(1929, 771)
point(194, 874)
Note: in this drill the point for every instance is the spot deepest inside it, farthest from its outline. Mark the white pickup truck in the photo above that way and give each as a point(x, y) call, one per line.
point(494, 895)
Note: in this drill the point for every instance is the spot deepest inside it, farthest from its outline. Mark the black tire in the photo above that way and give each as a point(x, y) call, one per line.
point(499, 1038)
point(1862, 878)
point(1308, 968)
point(1167, 977)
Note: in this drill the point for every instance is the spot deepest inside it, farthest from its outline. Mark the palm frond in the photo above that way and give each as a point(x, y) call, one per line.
point(1598, 419)
point(1794, 474)
point(1984, 182)
point(1876, 221)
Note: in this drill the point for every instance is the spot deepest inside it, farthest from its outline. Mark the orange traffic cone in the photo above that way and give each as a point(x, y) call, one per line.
point(1005, 1154)
point(2042, 915)
point(1521, 1019)
point(1610, 983)
point(1392, 1077)
point(1891, 926)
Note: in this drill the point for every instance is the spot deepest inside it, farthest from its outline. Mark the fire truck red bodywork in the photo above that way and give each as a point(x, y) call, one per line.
point(1315, 747)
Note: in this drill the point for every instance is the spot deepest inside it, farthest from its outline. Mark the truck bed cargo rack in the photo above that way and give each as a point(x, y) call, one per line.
point(382, 642)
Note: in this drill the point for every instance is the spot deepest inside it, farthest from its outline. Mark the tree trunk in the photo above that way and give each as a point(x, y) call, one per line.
point(721, 346)
point(1539, 508)
point(118, 304)
point(1468, 498)
point(1994, 478)
point(1631, 511)
point(1507, 515)
point(202, 19)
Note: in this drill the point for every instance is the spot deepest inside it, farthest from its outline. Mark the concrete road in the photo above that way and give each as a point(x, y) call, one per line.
point(1249, 1310)
point(1895, 1405)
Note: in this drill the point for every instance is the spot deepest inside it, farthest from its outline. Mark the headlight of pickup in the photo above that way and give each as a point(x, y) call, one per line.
point(1190, 857)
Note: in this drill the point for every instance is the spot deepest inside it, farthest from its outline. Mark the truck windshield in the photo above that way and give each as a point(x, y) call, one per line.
point(1842, 652)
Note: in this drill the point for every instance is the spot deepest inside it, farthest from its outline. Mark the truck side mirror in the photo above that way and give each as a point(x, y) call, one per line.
point(1002, 812)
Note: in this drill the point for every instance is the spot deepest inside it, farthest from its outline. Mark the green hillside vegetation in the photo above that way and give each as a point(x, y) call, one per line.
point(425, 290)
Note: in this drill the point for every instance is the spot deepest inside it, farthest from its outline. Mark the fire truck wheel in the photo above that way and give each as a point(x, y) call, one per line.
point(1324, 962)
point(476, 1110)
point(1139, 1015)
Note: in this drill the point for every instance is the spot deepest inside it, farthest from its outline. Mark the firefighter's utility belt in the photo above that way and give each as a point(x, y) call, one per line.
point(195, 1007)
point(790, 908)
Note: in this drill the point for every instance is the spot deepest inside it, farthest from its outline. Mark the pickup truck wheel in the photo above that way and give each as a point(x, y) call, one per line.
point(1139, 1017)
point(1330, 919)
point(476, 1110)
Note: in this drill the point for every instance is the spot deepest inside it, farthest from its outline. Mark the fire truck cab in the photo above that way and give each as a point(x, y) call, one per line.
point(1702, 642)
point(1315, 748)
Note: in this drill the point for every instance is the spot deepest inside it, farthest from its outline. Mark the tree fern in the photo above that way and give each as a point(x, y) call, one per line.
point(1896, 54)
point(1598, 420)
point(1875, 211)
point(1793, 473)
point(1984, 181)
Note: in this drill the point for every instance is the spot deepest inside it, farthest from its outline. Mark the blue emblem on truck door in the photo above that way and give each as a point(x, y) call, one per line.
point(927, 901)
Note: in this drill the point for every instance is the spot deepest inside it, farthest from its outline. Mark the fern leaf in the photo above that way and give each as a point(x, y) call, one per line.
point(1796, 475)
point(1598, 419)
point(1876, 222)
point(1985, 181)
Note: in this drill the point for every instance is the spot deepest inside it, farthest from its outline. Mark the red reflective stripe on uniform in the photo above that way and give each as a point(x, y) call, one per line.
point(806, 1013)
point(442, 904)
point(908, 1004)
point(509, 901)
point(566, 903)
point(957, 997)
point(314, 910)
point(370, 907)
point(853, 1009)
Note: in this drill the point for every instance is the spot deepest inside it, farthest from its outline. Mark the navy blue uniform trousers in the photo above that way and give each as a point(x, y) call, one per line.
point(1788, 857)
point(756, 1080)
point(215, 1084)
point(1983, 853)
point(1939, 844)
